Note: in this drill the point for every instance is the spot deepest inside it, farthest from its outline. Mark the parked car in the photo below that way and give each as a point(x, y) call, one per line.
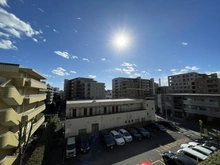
point(205, 145)
point(170, 158)
point(85, 145)
point(118, 138)
point(135, 134)
point(143, 132)
point(157, 127)
point(197, 148)
point(168, 124)
point(125, 134)
point(107, 139)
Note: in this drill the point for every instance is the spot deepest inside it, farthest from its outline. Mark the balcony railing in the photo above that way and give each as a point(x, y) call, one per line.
point(8, 140)
point(203, 103)
point(9, 117)
point(11, 96)
point(33, 112)
point(8, 160)
point(37, 124)
point(202, 112)
point(35, 98)
point(35, 84)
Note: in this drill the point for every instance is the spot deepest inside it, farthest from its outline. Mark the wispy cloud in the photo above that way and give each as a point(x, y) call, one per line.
point(103, 59)
point(60, 72)
point(34, 39)
point(85, 59)
point(44, 40)
point(62, 54)
point(74, 57)
point(159, 70)
point(75, 31)
point(92, 76)
point(4, 34)
point(184, 43)
point(47, 76)
point(47, 26)
point(7, 44)
point(78, 18)
point(40, 9)
point(4, 3)
point(13, 27)
point(145, 73)
point(192, 68)
point(74, 72)
point(55, 31)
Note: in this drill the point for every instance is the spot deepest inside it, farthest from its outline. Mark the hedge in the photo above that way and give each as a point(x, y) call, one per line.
point(214, 159)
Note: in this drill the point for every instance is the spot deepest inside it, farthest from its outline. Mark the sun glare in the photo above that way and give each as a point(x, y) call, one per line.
point(121, 41)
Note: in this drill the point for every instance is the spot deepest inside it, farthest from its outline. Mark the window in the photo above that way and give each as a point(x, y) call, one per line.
point(85, 111)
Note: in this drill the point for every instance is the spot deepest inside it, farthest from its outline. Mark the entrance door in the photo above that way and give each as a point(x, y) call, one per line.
point(95, 127)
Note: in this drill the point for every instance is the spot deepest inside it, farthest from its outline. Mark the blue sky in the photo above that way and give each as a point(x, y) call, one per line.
point(105, 39)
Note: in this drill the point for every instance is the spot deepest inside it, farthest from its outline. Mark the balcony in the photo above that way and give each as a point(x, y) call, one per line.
point(8, 160)
point(202, 112)
point(11, 96)
point(33, 112)
point(8, 140)
point(9, 117)
point(19, 82)
point(38, 124)
point(203, 103)
point(34, 98)
point(35, 84)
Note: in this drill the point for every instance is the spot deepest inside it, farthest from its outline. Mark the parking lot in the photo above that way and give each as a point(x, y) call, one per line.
point(131, 153)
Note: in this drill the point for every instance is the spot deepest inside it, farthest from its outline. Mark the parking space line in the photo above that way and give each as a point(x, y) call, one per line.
point(157, 162)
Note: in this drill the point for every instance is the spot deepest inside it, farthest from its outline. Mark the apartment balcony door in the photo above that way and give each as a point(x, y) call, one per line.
point(95, 127)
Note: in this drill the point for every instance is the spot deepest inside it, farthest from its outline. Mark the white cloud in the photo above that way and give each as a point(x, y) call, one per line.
point(192, 68)
point(103, 59)
point(60, 72)
point(85, 59)
point(78, 18)
point(7, 44)
point(5, 35)
point(184, 43)
point(4, 3)
point(126, 64)
point(44, 40)
point(173, 70)
point(74, 57)
point(92, 76)
point(47, 26)
point(137, 74)
point(159, 70)
point(74, 72)
point(75, 31)
point(47, 76)
point(34, 39)
point(40, 9)
point(55, 31)
point(62, 54)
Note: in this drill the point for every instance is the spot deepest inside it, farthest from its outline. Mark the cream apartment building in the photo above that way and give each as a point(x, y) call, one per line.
point(21, 100)
point(90, 116)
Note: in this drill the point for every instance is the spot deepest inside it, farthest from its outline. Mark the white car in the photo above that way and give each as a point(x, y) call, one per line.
point(118, 138)
point(125, 134)
point(205, 145)
point(197, 148)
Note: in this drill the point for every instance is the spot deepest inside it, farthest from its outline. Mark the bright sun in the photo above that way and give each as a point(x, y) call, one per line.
point(121, 41)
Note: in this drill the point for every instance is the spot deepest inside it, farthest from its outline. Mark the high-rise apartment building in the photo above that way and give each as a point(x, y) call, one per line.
point(21, 101)
point(194, 83)
point(83, 88)
point(132, 88)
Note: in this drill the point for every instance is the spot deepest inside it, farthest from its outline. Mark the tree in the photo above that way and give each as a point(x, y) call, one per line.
point(22, 140)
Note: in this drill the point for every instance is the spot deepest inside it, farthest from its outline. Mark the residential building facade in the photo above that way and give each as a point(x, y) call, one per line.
point(132, 88)
point(91, 116)
point(21, 101)
point(194, 106)
point(194, 83)
point(83, 89)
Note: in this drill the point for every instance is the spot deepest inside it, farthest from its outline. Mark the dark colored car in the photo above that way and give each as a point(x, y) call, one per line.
point(143, 132)
point(107, 138)
point(170, 158)
point(85, 145)
point(157, 127)
point(168, 125)
point(134, 134)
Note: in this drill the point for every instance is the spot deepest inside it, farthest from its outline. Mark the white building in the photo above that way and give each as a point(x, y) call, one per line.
point(91, 116)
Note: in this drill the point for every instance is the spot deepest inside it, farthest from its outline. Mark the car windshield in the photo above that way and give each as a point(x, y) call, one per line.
point(134, 131)
point(108, 138)
point(71, 146)
point(117, 136)
point(85, 143)
point(142, 129)
point(126, 134)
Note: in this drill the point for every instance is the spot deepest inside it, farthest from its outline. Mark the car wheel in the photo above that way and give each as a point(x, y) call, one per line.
point(165, 160)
